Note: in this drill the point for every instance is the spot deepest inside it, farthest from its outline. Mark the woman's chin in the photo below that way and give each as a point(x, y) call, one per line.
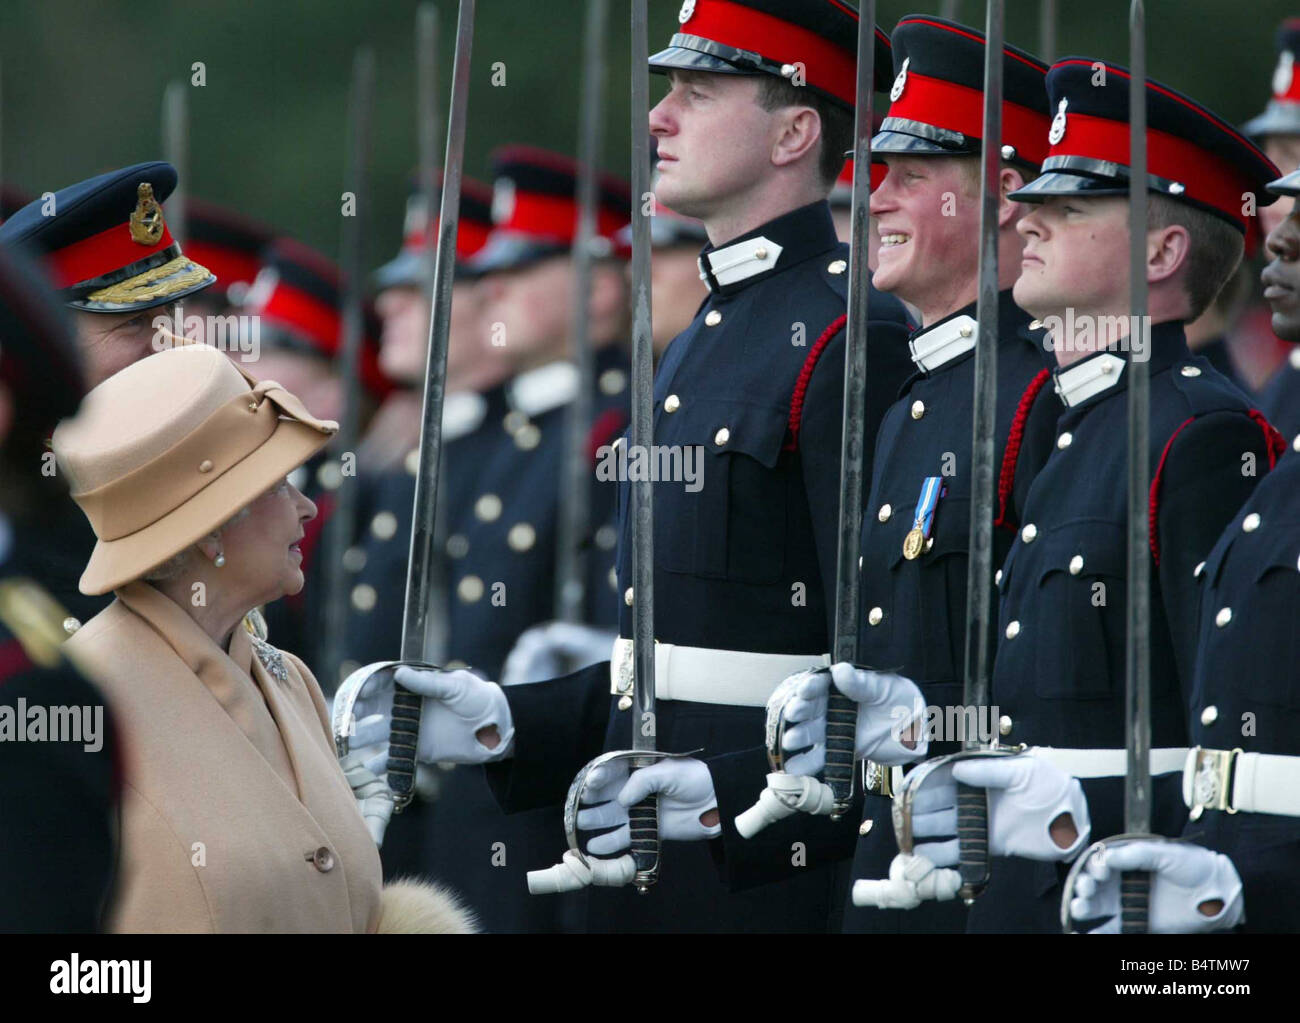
point(293, 583)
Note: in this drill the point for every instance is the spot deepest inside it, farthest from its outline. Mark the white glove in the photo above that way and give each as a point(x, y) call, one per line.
point(374, 800)
point(1025, 795)
point(555, 648)
point(685, 790)
point(912, 879)
point(457, 704)
point(1183, 877)
point(887, 706)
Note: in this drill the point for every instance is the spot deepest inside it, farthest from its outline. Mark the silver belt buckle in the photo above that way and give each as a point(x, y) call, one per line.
point(877, 779)
point(1212, 781)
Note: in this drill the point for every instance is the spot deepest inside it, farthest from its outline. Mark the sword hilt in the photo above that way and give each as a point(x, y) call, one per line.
point(1134, 901)
point(972, 841)
point(402, 744)
point(643, 823)
point(841, 736)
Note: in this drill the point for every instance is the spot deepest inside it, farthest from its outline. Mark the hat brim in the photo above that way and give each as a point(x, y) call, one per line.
point(1277, 119)
point(406, 269)
point(906, 144)
point(682, 58)
point(114, 563)
point(1052, 183)
point(158, 286)
point(512, 252)
point(1288, 184)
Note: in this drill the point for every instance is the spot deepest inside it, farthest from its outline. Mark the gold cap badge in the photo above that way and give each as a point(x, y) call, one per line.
point(147, 218)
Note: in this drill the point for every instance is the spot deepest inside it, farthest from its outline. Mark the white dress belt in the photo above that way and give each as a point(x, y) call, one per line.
point(1233, 781)
point(735, 678)
point(1107, 763)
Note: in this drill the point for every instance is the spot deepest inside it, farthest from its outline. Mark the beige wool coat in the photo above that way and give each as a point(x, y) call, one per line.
point(235, 814)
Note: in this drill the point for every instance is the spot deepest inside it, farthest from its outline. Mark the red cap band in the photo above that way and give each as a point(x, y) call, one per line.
point(954, 107)
point(554, 216)
point(101, 254)
point(826, 66)
point(1207, 179)
point(229, 265)
point(470, 237)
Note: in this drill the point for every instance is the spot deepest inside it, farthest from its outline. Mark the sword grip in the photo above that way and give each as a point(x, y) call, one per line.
point(643, 823)
point(402, 743)
point(841, 736)
point(1134, 901)
point(972, 841)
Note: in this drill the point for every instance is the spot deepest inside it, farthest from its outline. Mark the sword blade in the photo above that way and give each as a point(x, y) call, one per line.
point(176, 151)
point(841, 712)
point(340, 528)
point(642, 503)
point(407, 705)
point(575, 493)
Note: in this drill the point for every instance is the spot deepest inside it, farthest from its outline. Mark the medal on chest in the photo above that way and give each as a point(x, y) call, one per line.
point(917, 539)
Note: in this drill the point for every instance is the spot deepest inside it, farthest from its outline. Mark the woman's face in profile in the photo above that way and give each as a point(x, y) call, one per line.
point(263, 557)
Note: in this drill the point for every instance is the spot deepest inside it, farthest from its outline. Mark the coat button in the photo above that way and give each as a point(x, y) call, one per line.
point(1196, 572)
point(1223, 617)
point(837, 266)
point(1029, 533)
point(527, 437)
point(205, 465)
point(865, 827)
point(1065, 440)
point(713, 318)
point(488, 508)
point(672, 403)
point(71, 625)
point(722, 436)
point(1076, 564)
point(606, 537)
point(997, 577)
point(521, 537)
point(1295, 443)
point(612, 381)
point(625, 703)
point(884, 513)
point(457, 545)
point(384, 525)
point(1190, 371)
point(1209, 715)
point(918, 409)
point(364, 597)
point(875, 616)
point(1004, 725)
point(1013, 630)
point(760, 253)
point(627, 596)
point(470, 589)
point(1250, 523)
point(322, 859)
point(354, 559)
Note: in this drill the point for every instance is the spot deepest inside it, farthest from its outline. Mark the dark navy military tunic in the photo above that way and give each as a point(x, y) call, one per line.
point(1280, 398)
point(1058, 679)
point(1246, 685)
point(913, 618)
point(747, 562)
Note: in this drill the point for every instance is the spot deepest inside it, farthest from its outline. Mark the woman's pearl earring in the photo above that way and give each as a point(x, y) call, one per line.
point(219, 561)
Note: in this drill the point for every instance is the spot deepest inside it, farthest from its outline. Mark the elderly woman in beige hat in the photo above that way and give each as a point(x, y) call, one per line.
point(236, 815)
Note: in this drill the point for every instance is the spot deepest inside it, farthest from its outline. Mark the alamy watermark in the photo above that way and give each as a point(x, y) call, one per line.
point(229, 334)
point(660, 463)
point(1087, 333)
point(953, 723)
point(37, 723)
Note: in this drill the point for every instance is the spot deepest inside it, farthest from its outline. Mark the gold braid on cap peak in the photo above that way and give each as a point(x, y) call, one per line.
point(159, 282)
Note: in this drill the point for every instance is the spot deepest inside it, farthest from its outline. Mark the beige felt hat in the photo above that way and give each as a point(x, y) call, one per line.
point(165, 451)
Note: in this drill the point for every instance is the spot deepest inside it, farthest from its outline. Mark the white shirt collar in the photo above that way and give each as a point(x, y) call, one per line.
point(545, 388)
point(1076, 384)
point(462, 413)
point(943, 342)
point(733, 263)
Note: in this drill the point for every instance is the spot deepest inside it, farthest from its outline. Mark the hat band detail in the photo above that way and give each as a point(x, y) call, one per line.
point(101, 254)
point(174, 276)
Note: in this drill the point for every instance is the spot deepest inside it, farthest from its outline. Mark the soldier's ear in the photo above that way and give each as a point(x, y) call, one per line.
point(801, 132)
point(1009, 210)
point(1168, 249)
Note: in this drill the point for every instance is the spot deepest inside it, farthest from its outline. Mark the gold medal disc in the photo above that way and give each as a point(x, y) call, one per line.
point(913, 543)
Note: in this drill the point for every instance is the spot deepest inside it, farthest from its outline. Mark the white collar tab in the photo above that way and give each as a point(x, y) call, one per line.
point(1076, 384)
point(943, 342)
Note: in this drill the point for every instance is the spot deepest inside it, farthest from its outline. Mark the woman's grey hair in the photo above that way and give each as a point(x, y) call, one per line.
point(175, 565)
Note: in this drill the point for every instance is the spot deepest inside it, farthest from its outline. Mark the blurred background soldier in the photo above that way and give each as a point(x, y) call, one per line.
point(58, 799)
point(231, 246)
point(294, 311)
point(106, 246)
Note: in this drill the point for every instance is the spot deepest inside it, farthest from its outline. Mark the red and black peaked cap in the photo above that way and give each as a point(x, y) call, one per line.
point(937, 99)
point(227, 243)
point(1282, 115)
point(773, 37)
point(298, 299)
point(414, 261)
point(535, 209)
point(1193, 156)
point(106, 244)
